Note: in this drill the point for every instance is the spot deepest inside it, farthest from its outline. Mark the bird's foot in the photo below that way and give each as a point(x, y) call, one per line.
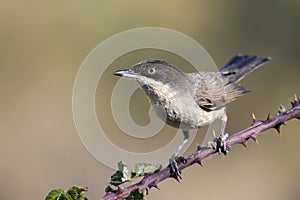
point(219, 144)
point(174, 169)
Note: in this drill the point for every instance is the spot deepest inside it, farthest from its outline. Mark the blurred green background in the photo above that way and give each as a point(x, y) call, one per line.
point(43, 43)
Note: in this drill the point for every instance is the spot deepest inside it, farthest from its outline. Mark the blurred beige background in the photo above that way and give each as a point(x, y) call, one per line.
point(43, 43)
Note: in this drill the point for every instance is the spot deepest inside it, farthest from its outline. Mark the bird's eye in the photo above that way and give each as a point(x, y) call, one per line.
point(151, 70)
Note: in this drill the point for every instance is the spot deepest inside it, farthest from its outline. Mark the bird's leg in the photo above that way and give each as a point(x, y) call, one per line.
point(186, 135)
point(221, 140)
point(224, 122)
point(173, 163)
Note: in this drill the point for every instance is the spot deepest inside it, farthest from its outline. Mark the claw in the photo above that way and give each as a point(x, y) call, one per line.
point(212, 144)
point(221, 146)
point(174, 170)
point(182, 159)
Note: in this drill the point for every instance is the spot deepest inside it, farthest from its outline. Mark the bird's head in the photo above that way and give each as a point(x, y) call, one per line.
point(154, 74)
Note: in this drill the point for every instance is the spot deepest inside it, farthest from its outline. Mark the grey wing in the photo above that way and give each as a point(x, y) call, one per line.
point(212, 90)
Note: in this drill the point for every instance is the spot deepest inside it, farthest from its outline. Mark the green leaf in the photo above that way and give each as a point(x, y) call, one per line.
point(124, 175)
point(108, 189)
point(121, 176)
point(116, 178)
point(135, 195)
point(142, 168)
point(74, 193)
point(57, 194)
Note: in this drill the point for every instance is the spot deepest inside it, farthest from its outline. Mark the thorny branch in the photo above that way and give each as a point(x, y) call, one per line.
point(241, 137)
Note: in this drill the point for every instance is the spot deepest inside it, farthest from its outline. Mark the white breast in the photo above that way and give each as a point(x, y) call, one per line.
point(184, 108)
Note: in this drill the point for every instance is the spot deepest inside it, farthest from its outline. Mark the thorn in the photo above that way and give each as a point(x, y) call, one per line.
point(253, 116)
point(268, 117)
point(155, 186)
point(292, 102)
point(175, 177)
point(295, 101)
point(277, 128)
point(198, 147)
point(199, 163)
point(244, 143)
point(282, 123)
point(254, 138)
point(255, 121)
point(151, 185)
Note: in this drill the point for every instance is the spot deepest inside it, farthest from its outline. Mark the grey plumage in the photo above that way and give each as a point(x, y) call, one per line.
point(214, 90)
point(192, 100)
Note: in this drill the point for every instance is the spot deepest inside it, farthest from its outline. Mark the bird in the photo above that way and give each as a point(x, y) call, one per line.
point(192, 100)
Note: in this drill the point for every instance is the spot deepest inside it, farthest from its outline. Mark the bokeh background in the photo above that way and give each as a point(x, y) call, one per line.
point(43, 43)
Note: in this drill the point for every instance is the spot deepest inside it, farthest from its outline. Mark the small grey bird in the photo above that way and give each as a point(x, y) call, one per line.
point(191, 100)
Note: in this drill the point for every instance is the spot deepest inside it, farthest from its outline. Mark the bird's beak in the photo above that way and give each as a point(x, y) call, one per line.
point(122, 72)
point(126, 73)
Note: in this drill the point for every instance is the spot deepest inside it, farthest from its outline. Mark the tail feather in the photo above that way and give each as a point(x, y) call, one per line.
point(241, 65)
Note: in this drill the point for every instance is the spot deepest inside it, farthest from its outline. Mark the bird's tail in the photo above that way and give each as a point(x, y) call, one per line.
point(241, 65)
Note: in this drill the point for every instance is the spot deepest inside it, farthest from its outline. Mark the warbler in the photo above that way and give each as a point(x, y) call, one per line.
point(192, 100)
